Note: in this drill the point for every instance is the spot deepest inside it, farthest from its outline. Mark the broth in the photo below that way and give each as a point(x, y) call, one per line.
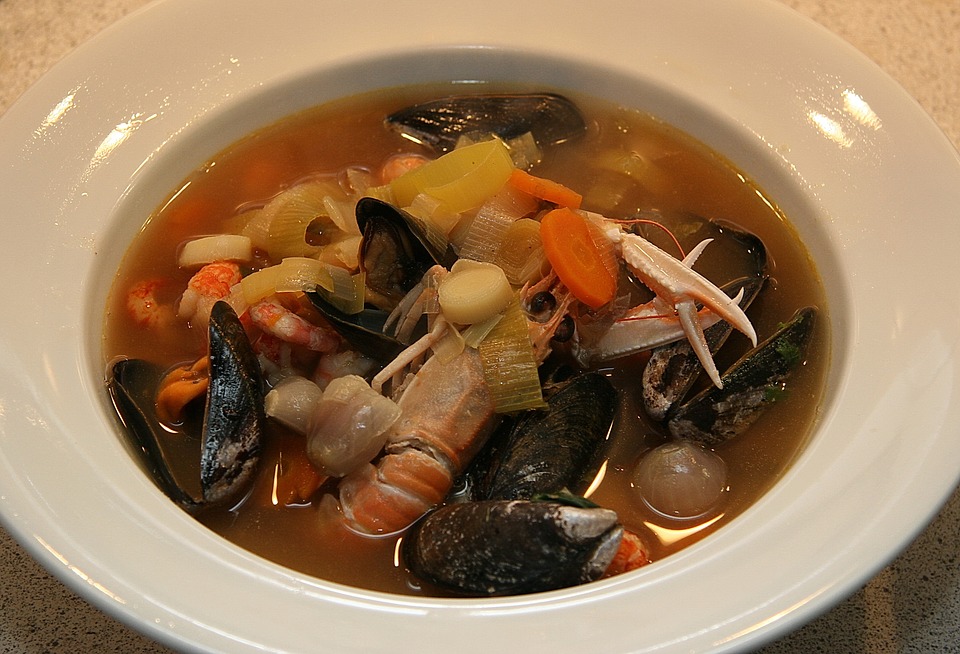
point(681, 174)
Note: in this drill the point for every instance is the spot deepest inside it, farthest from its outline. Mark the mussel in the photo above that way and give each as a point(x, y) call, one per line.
point(751, 385)
point(673, 369)
point(506, 547)
point(233, 416)
point(550, 118)
point(395, 251)
point(550, 450)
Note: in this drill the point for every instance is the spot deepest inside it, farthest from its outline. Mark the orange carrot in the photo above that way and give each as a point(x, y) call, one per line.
point(545, 189)
point(575, 258)
point(297, 479)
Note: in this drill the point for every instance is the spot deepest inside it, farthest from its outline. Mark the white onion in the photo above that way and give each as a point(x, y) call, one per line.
point(292, 401)
point(681, 480)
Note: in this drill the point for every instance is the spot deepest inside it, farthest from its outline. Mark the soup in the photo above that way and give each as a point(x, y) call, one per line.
point(622, 165)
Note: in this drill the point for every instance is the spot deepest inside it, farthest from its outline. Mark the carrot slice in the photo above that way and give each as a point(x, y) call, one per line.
point(545, 189)
point(575, 257)
point(297, 479)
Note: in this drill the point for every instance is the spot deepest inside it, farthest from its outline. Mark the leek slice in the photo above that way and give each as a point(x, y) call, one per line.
point(473, 292)
point(221, 247)
point(486, 232)
point(521, 254)
point(291, 274)
point(477, 332)
point(462, 179)
point(450, 345)
point(509, 365)
point(346, 291)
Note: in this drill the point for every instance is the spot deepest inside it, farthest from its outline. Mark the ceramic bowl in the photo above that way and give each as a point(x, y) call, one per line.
point(869, 182)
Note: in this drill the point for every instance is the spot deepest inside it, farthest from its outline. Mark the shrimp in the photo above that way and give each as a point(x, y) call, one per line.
point(399, 164)
point(211, 283)
point(144, 307)
point(278, 321)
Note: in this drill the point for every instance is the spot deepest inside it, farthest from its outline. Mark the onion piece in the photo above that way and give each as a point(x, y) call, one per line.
point(509, 364)
point(462, 179)
point(521, 254)
point(292, 401)
point(681, 480)
point(220, 247)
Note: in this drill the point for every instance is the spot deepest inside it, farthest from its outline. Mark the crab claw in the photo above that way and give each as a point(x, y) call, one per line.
point(676, 284)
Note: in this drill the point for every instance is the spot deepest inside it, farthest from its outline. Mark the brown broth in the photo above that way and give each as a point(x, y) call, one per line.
point(675, 173)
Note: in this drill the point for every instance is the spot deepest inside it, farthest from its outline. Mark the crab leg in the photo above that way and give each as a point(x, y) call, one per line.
point(679, 286)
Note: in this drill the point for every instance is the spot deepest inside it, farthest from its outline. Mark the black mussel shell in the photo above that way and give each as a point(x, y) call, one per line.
point(512, 547)
point(234, 418)
point(550, 118)
point(363, 331)
point(395, 252)
point(131, 384)
point(550, 450)
point(750, 386)
point(673, 369)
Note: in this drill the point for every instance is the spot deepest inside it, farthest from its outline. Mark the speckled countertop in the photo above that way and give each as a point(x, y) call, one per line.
point(913, 605)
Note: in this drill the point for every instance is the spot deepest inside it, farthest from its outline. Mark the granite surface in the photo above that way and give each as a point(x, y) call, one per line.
point(912, 605)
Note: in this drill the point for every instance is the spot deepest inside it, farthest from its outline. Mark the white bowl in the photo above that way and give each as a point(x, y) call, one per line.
point(870, 183)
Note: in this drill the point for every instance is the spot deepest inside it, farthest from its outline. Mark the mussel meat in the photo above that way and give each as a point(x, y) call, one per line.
point(511, 547)
point(395, 252)
point(550, 118)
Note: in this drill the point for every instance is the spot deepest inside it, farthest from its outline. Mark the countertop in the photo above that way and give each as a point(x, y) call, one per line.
point(912, 605)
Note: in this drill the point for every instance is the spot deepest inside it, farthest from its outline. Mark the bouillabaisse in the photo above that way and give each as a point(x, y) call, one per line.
point(479, 309)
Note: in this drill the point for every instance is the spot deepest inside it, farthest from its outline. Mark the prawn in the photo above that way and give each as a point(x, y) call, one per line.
point(282, 323)
point(144, 307)
point(211, 283)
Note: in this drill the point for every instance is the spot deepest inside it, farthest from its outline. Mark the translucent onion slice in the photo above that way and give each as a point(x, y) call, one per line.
point(474, 292)
point(487, 231)
point(346, 290)
point(477, 332)
point(449, 347)
point(220, 247)
point(509, 365)
point(291, 274)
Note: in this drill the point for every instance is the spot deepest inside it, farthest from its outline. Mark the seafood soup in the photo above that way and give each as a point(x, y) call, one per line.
point(386, 340)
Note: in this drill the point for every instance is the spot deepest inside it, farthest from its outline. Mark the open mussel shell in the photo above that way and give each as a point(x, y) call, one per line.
point(234, 419)
point(512, 547)
point(131, 384)
point(673, 369)
point(363, 330)
point(750, 386)
point(732, 254)
point(395, 252)
point(550, 450)
point(549, 117)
